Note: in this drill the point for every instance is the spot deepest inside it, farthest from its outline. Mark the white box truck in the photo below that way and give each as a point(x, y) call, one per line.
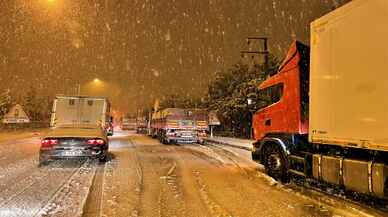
point(328, 112)
point(75, 110)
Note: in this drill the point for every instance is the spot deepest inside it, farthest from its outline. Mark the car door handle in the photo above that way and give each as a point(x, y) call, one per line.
point(267, 122)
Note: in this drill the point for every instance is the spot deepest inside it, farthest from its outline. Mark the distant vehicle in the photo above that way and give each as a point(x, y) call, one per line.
point(78, 129)
point(174, 125)
point(128, 123)
point(109, 128)
point(325, 115)
point(141, 124)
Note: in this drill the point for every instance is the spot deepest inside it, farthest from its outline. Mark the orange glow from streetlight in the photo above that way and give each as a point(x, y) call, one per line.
point(96, 80)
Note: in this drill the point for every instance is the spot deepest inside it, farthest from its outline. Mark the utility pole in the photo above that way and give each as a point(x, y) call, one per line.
point(264, 51)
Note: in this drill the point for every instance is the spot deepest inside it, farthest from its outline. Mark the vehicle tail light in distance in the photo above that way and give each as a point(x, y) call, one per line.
point(202, 133)
point(96, 142)
point(46, 143)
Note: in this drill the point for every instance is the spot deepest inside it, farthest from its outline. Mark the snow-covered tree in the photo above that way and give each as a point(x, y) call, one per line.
point(5, 102)
point(37, 107)
point(229, 93)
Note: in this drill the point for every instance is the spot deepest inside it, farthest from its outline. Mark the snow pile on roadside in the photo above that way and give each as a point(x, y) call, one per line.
point(235, 142)
point(16, 135)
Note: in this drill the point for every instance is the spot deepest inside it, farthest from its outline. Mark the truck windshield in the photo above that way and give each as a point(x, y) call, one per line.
point(270, 95)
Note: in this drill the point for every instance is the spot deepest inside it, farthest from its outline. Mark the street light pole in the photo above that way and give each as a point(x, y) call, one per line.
point(79, 89)
point(96, 81)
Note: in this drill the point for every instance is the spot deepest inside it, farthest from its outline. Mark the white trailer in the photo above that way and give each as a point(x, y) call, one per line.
point(80, 110)
point(348, 83)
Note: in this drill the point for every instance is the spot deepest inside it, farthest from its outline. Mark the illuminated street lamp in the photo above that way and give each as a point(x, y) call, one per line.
point(96, 80)
point(51, 3)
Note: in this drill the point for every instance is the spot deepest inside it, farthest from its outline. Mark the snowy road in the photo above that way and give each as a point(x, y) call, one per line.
point(26, 189)
point(146, 178)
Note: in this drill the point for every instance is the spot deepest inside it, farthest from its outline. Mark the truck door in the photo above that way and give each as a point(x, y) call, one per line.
point(65, 111)
point(91, 111)
point(270, 118)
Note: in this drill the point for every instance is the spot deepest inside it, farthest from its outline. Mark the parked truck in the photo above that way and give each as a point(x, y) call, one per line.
point(324, 114)
point(201, 122)
point(128, 123)
point(174, 125)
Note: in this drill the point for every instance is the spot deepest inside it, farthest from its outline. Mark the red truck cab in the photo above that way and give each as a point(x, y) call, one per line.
point(285, 105)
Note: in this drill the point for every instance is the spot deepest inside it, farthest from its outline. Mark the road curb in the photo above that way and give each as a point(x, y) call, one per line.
point(207, 141)
point(82, 207)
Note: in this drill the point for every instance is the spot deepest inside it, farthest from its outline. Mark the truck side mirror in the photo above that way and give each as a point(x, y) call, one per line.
point(250, 102)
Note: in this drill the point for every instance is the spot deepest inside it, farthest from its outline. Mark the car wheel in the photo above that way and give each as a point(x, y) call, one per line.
point(43, 161)
point(103, 158)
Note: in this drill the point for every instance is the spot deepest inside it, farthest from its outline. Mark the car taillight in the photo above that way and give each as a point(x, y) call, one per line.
point(96, 142)
point(46, 143)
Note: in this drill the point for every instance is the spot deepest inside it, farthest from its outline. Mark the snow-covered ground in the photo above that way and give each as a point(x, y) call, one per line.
point(11, 135)
point(146, 178)
point(29, 190)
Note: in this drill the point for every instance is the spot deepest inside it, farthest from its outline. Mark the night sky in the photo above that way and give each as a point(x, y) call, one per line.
point(139, 49)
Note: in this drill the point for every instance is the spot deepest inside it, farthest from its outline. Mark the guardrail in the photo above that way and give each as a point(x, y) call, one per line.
point(31, 125)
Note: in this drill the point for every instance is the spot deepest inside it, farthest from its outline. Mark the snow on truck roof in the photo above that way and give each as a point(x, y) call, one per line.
point(80, 97)
point(342, 11)
point(78, 126)
point(178, 112)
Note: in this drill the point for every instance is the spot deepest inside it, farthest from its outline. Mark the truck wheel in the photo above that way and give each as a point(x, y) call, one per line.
point(162, 140)
point(275, 163)
point(255, 156)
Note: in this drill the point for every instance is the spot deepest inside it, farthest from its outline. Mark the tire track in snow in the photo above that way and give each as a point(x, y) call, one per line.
point(70, 198)
point(27, 197)
point(214, 208)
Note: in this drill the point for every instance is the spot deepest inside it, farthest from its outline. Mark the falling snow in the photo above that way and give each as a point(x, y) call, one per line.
point(54, 47)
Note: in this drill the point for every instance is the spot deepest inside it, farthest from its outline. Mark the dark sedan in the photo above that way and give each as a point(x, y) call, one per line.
point(74, 141)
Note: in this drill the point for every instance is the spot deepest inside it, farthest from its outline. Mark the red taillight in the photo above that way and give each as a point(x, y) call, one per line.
point(96, 142)
point(48, 142)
